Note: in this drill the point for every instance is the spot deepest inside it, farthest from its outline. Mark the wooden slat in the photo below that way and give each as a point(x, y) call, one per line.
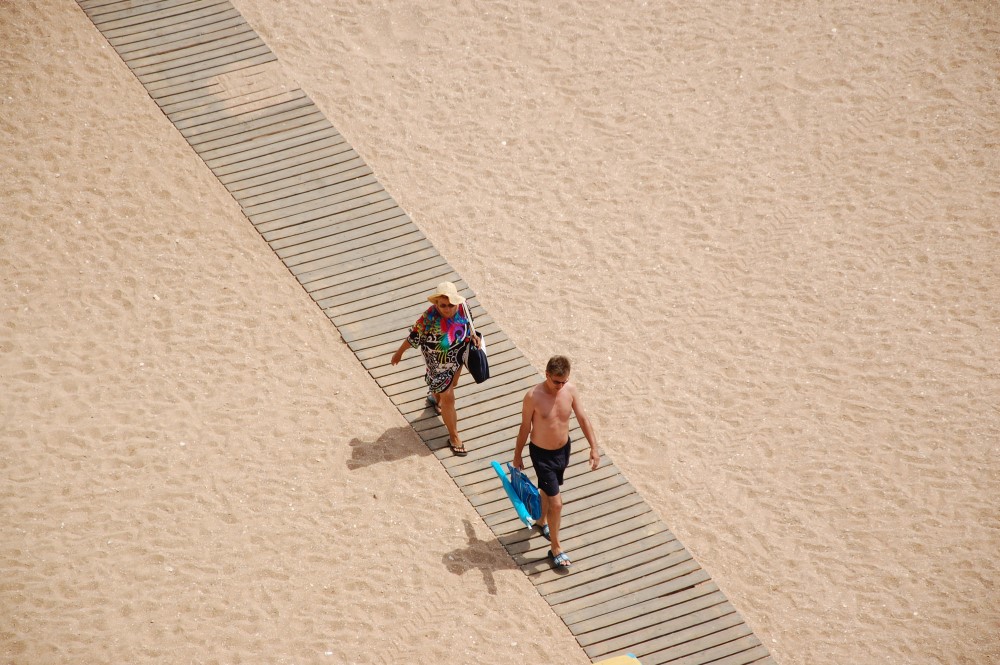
point(229, 151)
point(169, 21)
point(251, 161)
point(647, 613)
point(633, 586)
point(693, 640)
point(126, 8)
point(174, 60)
point(169, 34)
point(296, 228)
point(671, 633)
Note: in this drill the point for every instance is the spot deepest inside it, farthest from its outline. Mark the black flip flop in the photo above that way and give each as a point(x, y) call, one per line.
point(457, 451)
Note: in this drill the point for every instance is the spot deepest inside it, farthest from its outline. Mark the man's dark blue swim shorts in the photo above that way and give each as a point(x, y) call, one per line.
point(549, 466)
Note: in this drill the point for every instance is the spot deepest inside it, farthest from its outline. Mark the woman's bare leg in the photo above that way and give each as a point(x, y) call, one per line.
point(446, 400)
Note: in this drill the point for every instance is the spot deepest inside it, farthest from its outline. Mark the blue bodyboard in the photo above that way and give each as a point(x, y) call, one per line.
point(522, 493)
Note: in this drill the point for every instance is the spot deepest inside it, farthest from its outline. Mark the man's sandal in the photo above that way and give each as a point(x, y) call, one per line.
point(561, 560)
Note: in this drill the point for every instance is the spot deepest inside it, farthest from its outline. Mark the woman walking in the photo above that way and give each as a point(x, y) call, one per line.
point(441, 334)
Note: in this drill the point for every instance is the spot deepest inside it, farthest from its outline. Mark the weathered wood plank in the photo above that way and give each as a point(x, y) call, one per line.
point(309, 162)
point(169, 34)
point(219, 30)
point(189, 81)
point(670, 633)
point(176, 62)
point(695, 639)
point(335, 171)
point(247, 151)
point(742, 651)
point(104, 14)
point(168, 21)
point(115, 23)
point(280, 157)
point(233, 149)
point(328, 220)
point(646, 613)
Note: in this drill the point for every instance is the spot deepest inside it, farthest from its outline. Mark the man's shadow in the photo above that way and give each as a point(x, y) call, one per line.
point(393, 445)
point(478, 554)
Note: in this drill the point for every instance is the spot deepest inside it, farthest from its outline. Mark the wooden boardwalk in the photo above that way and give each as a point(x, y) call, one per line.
point(633, 587)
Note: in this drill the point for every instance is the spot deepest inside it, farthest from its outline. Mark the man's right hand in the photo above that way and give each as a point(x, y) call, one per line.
point(518, 462)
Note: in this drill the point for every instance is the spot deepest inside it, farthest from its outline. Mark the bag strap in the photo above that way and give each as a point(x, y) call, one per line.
point(468, 315)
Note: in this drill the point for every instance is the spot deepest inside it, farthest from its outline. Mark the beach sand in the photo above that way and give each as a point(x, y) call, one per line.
point(767, 238)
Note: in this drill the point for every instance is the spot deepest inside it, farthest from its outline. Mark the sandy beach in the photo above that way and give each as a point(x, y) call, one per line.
point(768, 238)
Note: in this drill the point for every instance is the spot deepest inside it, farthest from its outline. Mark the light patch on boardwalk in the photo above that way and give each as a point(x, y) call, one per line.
point(255, 89)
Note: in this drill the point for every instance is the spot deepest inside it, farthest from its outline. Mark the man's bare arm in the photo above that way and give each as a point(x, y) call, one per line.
point(588, 430)
point(527, 410)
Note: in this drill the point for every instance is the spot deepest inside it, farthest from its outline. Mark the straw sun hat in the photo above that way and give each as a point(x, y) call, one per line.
point(448, 290)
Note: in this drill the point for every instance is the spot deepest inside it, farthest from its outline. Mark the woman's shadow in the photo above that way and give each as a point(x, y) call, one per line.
point(478, 555)
point(393, 445)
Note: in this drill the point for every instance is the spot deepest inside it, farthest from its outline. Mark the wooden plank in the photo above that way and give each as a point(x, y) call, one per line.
point(699, 638)
point(302, 148)
point(608, 548)
point(234, 150)
point(588, 521)
point(654, 613)
point(229, 27)
point(338, 177)
point(331, 173)
point(175, 61)
point(742, 651)
point(633, 585)
point(263, 173)
point(146, 28)
point(115, 23)
point(666, 606)
point(364, 226)
point(171, 33)
point(670, 633)
point(234, 54)
point(247, 121)
point(194, 106)
point(369, 274)
point(209, 92)
point(296, 228)
point(374, 318)
point(128, 8)
point(189, 81)
point(585, 531)
point(237, 108)
point(597, 560)
point(615, 575)
point(218, 106)
point(222, 24)
point(256, 128)
point(317, 280)
point(380, 292)
point(664, 586)
point(376, 286)
point(265, 212)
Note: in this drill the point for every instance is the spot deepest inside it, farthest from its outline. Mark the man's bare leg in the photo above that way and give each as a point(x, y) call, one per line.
point(552, 515)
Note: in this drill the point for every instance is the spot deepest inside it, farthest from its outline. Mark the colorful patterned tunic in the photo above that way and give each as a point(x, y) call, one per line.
point(442, 342)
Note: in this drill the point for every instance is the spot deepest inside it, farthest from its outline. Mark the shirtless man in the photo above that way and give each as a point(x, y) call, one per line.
point(545, 414)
